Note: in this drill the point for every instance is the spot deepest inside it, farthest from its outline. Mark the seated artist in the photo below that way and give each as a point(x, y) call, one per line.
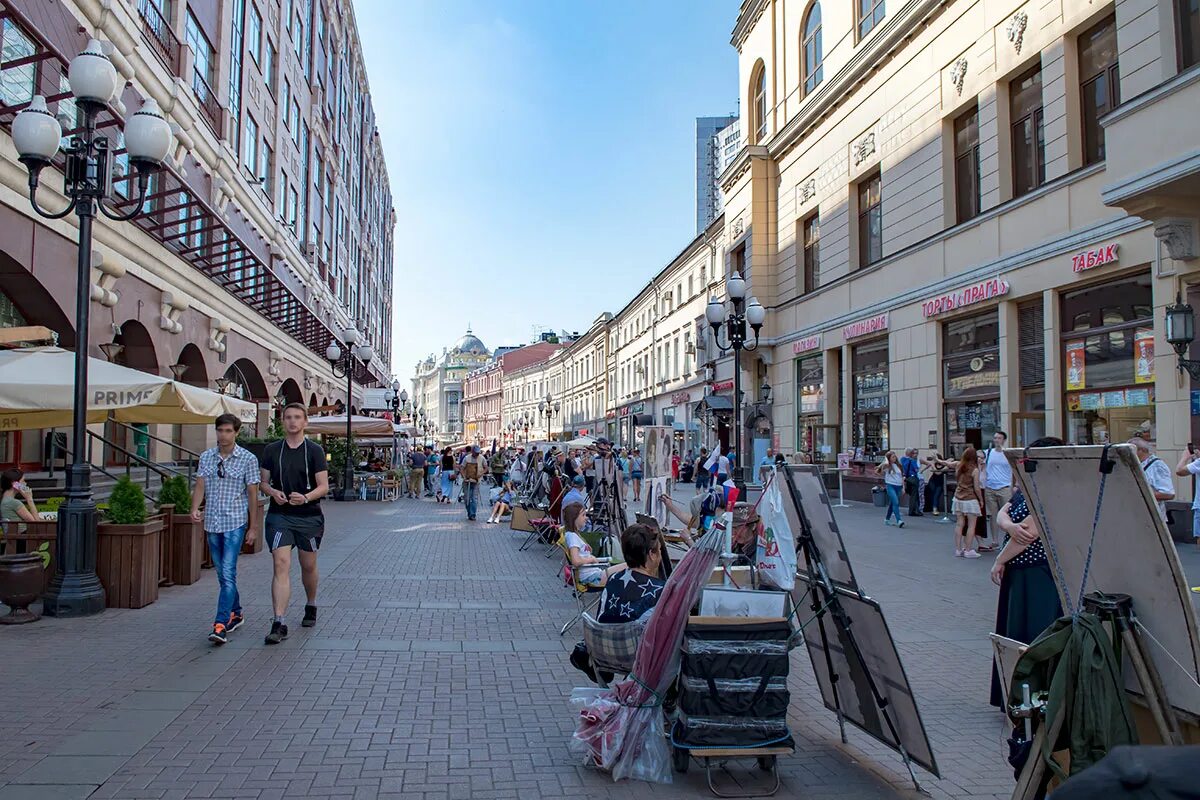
point(632, 590)
point(503, 505)
point(579, 552)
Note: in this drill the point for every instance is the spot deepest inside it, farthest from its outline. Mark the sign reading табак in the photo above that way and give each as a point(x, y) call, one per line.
point(1095, 257)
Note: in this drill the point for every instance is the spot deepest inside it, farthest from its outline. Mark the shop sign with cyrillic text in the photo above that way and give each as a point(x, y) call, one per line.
point(975, 293)
point(807, 343)
point(1095, 257)
point(867, 326)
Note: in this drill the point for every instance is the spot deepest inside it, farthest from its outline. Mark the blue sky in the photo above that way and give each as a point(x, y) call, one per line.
point(541, 154)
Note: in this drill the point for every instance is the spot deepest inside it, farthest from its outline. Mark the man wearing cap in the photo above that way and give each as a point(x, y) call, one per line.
point(472, 468)
point(577, 492)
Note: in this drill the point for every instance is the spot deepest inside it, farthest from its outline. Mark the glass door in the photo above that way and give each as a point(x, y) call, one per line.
point(1028, 428)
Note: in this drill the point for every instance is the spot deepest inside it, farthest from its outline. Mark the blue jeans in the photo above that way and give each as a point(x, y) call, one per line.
point(893, 506)
point(470, 497)
point(224, 548)
point(1196, 523)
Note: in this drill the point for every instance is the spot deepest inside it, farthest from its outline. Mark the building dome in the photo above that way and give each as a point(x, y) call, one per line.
point(469, 343)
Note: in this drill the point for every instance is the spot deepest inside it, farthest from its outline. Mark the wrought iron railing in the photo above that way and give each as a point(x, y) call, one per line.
point(157, 30)
point(208, 102)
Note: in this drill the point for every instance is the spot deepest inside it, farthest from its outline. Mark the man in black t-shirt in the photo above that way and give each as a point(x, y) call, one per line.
point(295, 477)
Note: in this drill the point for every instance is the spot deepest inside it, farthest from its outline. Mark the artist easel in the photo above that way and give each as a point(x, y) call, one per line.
point(1115, 609)
point(826, 602)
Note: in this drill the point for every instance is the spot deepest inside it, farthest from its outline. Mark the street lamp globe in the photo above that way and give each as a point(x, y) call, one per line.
point(333, 352)
point(350, 336)
point(714, 312)
point(403, 392)
point(557, 406)
point(148, 137)
point(755, 313)
point(366, 353)
point(36, 134)
point(541, 405)
point(736, 286)
point(92, 76)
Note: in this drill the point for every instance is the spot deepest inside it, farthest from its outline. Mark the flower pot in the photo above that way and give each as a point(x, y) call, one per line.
point(21, 579)
point(27, 537)
point(128, 561)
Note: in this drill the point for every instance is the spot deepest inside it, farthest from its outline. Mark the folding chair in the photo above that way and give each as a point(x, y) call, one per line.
point(372, 485)
point(612, 646)
point(391, 488)
point(580, 591)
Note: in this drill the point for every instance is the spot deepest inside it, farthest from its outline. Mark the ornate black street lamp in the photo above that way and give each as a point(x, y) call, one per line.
point(735, 335)
point(1181, 332)
point(90, 156)
point(343, 362)
point(548, 408)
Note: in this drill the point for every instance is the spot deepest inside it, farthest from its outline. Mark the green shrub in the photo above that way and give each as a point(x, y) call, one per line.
point(51, 503)
point(175, 492)
point(127, 504)
point(273, 433)
point(337, 449)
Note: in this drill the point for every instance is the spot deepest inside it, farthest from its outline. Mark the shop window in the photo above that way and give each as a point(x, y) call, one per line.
point(1028, 139)
point(1100, 85)
point(1108, 362)
point(810, 414)
point(870, 366)
point(870, 221)
point(971, 381)
point(810, 232)
point(966, 165)
point(869, 14)
point(1189, 33)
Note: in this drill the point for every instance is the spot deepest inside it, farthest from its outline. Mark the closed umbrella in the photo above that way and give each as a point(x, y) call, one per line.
point(37, 390)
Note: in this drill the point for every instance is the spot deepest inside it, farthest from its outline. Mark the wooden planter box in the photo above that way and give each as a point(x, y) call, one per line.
point(128, 560)
point(30, 540)
point(183, 547)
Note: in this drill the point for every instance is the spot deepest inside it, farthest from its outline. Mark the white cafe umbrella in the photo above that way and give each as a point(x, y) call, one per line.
point(336, 426)
point(37, 390)
point(581, 443)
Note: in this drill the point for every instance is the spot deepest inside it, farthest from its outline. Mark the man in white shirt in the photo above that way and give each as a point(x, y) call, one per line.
point(997, 480)
point(1158, 475)
point(1189, 465)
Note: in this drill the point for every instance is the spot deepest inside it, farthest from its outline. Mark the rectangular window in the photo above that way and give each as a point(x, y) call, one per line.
point(254, 34)
point(810, 255)
point(16, 83)
point(298, 37)
point(268, 66)
point(235, 72)
point(202, 50)
point(870, 14)
point(285, 102)
point(966, 165)
point(295, 126)
point(267, 168)
point(870, 221)
point(1099, 84)
point(250, 156)
point(1028, 140)
point(1189, 33)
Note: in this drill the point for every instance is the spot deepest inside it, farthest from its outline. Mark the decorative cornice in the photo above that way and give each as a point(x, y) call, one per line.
point(1152, 96)
point(1117, 194)
point(748, 16)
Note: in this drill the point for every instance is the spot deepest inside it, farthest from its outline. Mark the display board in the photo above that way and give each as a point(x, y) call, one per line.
point(803, 487)
point(656, 450)
point(829, 646)
point(1132, 552)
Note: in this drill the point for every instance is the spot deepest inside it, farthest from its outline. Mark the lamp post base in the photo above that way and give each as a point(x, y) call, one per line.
point(78, 594)
point(75, 590)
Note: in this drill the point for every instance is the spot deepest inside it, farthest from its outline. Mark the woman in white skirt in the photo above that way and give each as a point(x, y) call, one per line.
point(968, 503)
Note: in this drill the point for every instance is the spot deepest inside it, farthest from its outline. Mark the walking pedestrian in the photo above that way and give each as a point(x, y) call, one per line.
point(636, 471)
point(295, 476)
point(938, 467)
point(416, 477)
point(227, 479)
point(997, 482)
point(911, 467)
point(703, 476)
point(498, 463)
point(968, 496)
point(473, 466)
point(893, 482)
point(1158, 475)
point(1189, 466)
point(431, 469)
point(446, 475)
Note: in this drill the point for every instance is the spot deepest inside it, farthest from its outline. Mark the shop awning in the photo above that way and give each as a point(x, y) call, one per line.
point(336, 426)
point(37, 390)
point(715, 402)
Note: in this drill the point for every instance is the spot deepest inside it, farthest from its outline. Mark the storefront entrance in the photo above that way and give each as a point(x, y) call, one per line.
point(970, 381)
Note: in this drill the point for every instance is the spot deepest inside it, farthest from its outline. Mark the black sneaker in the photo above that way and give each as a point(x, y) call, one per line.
point(218, 634)
point(310, 617)
point(278, 633)
point(235, 622)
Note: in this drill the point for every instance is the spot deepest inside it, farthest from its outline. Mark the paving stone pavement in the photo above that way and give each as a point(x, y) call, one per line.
point(436, 672)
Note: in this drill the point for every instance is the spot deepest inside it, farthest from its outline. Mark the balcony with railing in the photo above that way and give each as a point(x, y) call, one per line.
point(208, 102)
point(157, 30)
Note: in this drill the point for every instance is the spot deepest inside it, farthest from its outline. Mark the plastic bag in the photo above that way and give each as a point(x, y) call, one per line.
point(602, 727)
point(776, 544)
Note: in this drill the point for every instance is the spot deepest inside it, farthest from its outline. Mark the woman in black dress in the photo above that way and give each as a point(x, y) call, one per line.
point(1028, 601)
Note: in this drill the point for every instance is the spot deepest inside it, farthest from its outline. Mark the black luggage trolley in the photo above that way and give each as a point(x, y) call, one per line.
point(733, 697)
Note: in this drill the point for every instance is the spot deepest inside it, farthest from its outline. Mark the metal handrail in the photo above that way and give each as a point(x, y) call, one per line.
point(162, 470)
point(192, 463)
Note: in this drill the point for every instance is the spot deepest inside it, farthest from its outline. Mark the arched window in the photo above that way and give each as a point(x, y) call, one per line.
point(811, 70)
point(758, 105)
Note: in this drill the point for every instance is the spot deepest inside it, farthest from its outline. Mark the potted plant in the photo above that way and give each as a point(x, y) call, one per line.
point(22, 578)
point(183, 538)
point(128, 546)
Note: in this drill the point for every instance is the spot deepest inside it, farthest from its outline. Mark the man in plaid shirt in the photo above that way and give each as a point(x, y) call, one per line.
point(227, 481)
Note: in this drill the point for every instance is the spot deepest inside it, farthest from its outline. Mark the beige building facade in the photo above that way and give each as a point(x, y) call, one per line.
point(926, 206)
point(268, 232)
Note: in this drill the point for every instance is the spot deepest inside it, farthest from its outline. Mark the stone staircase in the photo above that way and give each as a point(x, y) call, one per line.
point(45, 486)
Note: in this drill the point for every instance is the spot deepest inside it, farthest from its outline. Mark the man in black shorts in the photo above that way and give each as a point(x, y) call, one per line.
point(295, 477)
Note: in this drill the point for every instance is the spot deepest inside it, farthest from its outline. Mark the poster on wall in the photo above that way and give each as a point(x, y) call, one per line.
point(1143, 352)
point(1076, 372)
